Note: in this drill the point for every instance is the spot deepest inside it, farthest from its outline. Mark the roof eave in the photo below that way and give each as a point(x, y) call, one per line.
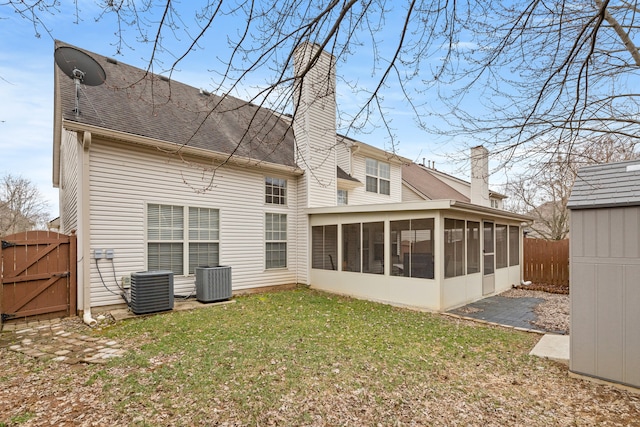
point(375, 152)
point(464, 206)
point(421, 206)
point(348, 184)
point(576, 207)
point(170, 147)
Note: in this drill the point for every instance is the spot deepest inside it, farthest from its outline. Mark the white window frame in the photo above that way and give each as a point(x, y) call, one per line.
point(342, 197)
point(199, 235)
point(173, 235)
point(376, 173)
point(275, 238)
point(185, 238)
point(275, 191)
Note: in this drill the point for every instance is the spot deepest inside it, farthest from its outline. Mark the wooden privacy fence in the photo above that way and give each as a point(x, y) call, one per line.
point(38, 275)
point(546, 262)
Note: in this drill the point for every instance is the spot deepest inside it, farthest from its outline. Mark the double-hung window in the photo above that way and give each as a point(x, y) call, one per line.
point(170, 248)
point(275, 191)
point(343, 198)
point(165, 238)
point(204, 238)
point(275, 240)
point(378, 177)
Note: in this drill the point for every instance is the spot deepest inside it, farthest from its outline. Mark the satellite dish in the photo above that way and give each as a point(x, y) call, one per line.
point(77, 64)
point(81, 68)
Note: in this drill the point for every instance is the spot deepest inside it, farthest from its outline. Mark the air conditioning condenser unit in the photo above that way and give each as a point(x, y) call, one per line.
point(151, 291)
point(213, 283)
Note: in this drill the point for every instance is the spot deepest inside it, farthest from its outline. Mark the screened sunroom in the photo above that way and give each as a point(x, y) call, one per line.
point(435, 255)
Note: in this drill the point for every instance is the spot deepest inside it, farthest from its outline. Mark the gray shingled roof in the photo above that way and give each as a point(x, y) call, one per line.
point(608, 185)
point(140, 103)
point(341, 174)
point(428, 185)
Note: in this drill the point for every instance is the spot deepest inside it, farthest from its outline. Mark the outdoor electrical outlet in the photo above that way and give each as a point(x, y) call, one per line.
point(109, 253)
point(126, 282)
point(98, 253)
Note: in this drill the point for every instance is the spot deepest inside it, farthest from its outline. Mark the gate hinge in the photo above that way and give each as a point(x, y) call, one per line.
point(6, 244)
point(7, 316)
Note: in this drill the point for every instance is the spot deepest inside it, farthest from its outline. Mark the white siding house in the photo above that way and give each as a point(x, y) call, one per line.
point(163, 176)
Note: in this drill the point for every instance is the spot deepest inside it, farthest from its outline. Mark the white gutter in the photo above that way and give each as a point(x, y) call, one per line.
point(425, 205)
point(171, 148)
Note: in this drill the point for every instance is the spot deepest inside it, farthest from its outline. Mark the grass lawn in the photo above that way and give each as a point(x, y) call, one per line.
point(308, 358)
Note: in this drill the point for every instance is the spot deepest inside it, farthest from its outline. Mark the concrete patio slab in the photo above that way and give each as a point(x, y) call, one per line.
point(554, 347)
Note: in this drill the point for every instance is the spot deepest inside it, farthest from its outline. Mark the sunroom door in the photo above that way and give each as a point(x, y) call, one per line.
point(488, 258)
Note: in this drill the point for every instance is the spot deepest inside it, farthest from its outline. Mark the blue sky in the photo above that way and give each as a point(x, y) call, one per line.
point(26, 91)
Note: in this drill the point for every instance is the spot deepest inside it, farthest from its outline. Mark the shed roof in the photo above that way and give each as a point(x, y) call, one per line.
point(607, 185)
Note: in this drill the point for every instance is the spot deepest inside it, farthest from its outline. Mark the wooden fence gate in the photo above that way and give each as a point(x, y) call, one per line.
point(546, 262)
point(38, 275)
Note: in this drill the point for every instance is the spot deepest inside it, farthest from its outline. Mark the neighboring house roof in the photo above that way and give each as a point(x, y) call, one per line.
point(137, 102)
point(607, 185)
point(437, 173)
point(428, 185)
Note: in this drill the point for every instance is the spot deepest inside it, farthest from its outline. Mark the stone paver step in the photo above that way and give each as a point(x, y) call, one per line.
point(52, 342)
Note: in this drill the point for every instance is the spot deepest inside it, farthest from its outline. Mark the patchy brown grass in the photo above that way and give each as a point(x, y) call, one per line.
point(308, 358)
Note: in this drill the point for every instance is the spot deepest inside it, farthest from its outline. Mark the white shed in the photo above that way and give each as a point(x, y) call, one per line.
point(605, 273)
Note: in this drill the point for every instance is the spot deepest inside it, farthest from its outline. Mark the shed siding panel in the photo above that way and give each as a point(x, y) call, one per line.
point(123, 181)
point(589, 233)
point(631, 323)
point(583, 303)
point(616, 233)
point(609, 316)
point(631, 229)
point(603, 237)
point(577, 233)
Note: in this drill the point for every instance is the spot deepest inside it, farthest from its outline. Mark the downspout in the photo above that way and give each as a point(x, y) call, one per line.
point(86, 233)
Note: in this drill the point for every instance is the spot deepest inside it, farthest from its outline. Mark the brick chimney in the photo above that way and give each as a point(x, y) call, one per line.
point(480, 176)
point(314, 122)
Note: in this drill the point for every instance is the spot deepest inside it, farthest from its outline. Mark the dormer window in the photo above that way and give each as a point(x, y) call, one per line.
point(378, 177)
